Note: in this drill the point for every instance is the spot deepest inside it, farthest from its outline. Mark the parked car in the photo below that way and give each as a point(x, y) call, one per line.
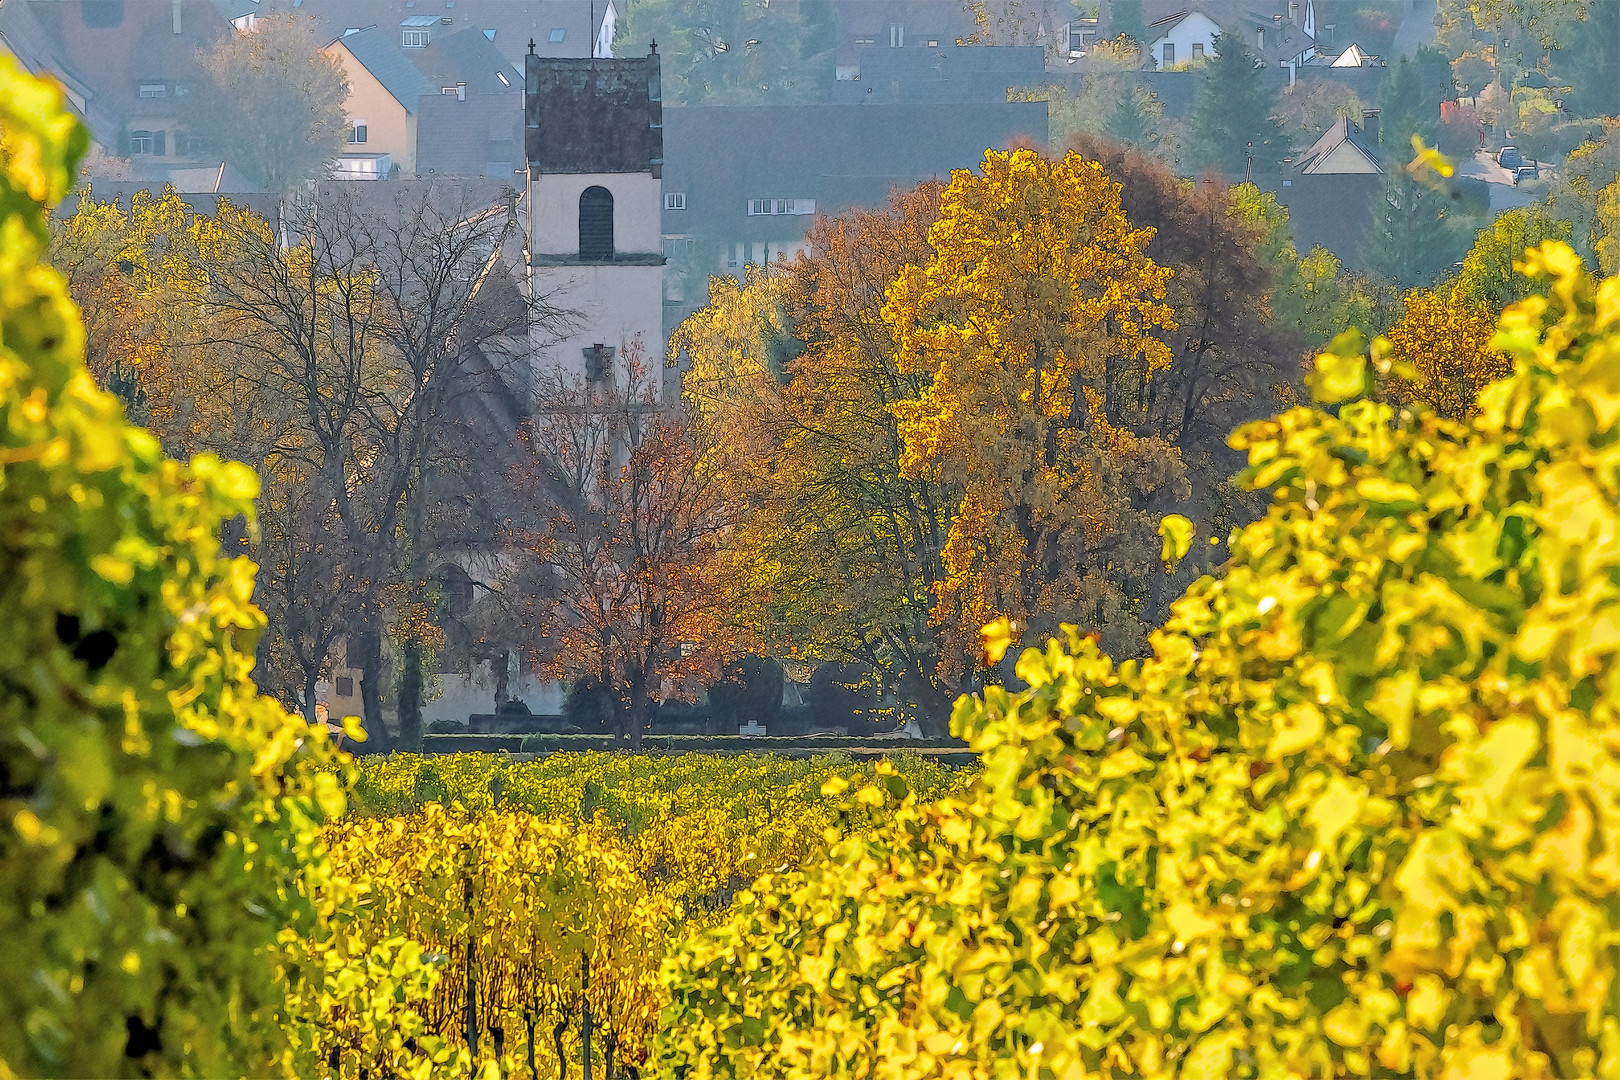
point(1509, 157)
point(1526, 172)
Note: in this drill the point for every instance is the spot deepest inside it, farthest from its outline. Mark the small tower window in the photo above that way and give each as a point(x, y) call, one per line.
point(596, 225)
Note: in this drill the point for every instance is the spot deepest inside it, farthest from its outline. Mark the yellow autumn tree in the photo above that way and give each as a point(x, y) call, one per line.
point(793, 373)
point(1038, 300)
point(1446, 341)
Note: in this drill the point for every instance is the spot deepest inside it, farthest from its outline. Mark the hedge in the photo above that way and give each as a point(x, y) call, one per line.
point(676, 744)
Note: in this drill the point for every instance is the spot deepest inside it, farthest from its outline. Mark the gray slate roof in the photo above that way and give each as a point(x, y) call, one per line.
point(467, 56)
point(381, 55)
point(949, 73)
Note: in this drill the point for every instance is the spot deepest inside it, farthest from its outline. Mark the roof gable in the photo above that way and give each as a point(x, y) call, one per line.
point(388, 64)
point(1340, 150)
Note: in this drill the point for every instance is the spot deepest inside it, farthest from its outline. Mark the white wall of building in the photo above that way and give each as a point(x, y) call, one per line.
point(637, 212)
point(614, 305)
point(461, 696)
point(1196, 29)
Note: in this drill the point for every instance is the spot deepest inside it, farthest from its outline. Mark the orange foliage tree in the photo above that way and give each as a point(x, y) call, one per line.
point(1037, 298)
point(619, 531)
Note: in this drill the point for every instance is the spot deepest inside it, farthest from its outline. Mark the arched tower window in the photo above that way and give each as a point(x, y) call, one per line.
point(596, 225)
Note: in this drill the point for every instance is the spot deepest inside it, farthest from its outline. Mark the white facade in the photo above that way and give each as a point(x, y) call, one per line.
point(1177, 44)
point(618, 303)
point(603, 46)
point(456, 696)
point(554, 212)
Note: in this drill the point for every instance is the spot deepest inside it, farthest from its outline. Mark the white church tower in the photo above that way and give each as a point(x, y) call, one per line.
point(594, 139)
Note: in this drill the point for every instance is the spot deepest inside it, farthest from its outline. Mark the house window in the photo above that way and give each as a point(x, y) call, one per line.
point(596, 224)
point(675, 200)
point(865, 41)
point(676, 247)
point(490, 34)
point(1198, 50)
point(154, 90)
point(557, 35)
point(140, 142)
point(413, 39)
point(357, 132)
point(772, 207)
point(344, 686)
point(933, 43)
point(897, 37)
point(1169, 54)
point(501, 75)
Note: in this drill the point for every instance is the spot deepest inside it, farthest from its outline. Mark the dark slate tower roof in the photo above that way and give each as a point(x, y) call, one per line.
point(593, 115)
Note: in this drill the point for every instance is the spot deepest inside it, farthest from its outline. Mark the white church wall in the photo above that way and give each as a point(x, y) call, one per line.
point(461, 696)
point(613, 304)
point(637, 212)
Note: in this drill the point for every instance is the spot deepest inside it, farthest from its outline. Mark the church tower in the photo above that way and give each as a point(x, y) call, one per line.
point(594, 138)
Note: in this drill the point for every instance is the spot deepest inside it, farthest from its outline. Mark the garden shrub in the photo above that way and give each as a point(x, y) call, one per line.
point(1357, 814)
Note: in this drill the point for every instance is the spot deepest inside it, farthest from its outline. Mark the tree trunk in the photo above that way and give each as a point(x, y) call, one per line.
point(472, 1003)
point(585, 1019)
point(367, 646)
point(310, 674)
point(1156, 576)
point(636, 714)
point(608, 709)
point(934, 705)
point(558, 1030)
point(410, 698)
point(472, 981)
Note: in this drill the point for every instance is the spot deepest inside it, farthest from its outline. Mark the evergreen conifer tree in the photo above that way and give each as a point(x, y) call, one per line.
point(1413, 236)
point(1232, 122)
point(1409, 104)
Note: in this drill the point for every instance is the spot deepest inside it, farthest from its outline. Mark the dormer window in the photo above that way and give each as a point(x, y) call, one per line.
point(415, 31)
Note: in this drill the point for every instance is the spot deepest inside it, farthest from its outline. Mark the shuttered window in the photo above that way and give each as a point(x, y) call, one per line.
point(596, 225)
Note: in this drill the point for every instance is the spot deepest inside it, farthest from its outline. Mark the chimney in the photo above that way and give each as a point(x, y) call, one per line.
point(1369, 124)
